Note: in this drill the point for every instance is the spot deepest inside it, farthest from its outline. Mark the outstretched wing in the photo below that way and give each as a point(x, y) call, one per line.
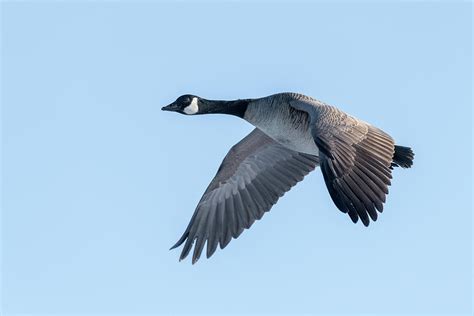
point(255, 173)
point(355, 159)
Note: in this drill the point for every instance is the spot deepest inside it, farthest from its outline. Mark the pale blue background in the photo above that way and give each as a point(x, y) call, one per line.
point(98, 183)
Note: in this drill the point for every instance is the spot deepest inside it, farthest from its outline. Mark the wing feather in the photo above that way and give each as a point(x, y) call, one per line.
point(252, 177)
point(355, 158)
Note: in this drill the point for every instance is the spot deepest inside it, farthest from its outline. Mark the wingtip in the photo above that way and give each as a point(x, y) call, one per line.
point(182, 257)
point(196, 258)
point(176, 245)
point(180, 241)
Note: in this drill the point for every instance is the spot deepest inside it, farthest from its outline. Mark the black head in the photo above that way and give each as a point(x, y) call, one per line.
point(185, 104)
point(190, 104)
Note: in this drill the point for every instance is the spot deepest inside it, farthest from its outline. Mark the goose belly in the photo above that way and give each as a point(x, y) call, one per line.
point(297, 138)
point(294, 139)
point(286, 126)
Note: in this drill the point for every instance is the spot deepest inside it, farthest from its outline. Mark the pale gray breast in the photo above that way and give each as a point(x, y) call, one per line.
point(283, 123)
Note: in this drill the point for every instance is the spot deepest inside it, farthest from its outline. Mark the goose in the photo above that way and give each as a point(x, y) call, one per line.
point(293, 134)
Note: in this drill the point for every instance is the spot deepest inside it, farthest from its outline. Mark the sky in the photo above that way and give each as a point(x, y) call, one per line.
point(98, 183)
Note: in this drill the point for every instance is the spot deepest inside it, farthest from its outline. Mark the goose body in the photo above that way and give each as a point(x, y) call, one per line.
point(284, 124)
point(293, 135)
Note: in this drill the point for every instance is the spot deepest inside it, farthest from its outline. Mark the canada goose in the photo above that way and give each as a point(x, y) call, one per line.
point(294, 134)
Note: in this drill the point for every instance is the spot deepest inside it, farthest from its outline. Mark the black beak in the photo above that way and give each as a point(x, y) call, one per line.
point(172, 107)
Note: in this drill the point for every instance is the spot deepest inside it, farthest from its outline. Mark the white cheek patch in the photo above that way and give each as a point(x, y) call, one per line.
point(193, 107)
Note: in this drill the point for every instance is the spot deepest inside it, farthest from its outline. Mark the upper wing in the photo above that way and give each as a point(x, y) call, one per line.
point(355, 159)
point(253, 175)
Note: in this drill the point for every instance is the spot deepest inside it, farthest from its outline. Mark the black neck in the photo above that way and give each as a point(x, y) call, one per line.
point(236, 107)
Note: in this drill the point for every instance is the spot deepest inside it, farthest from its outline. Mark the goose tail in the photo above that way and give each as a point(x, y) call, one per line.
point(402, 157)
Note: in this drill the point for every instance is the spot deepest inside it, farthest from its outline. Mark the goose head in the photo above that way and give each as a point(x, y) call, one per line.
point(190, 104)
point(186, 104)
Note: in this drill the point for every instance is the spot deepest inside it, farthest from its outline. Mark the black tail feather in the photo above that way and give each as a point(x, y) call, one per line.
point(402, 157)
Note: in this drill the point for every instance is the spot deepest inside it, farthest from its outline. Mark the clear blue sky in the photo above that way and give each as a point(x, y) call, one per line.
point(98, 183)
